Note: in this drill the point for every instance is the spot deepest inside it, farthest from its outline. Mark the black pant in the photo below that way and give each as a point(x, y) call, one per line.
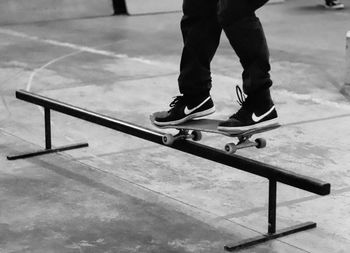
point(201, 26)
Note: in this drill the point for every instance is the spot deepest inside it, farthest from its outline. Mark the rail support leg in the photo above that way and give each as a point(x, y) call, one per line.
point(272, 233)
point(48, 142)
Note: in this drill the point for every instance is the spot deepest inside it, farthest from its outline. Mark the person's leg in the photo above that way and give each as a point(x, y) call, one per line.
point(246, 35)
point(201, 36)
point(247, 38)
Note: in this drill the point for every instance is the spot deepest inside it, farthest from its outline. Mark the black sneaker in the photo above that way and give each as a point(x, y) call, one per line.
point(334, 4)
point(184, 109)
point(251, 114)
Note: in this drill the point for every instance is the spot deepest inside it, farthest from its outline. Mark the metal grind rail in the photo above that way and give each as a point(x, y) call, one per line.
point(272, 173)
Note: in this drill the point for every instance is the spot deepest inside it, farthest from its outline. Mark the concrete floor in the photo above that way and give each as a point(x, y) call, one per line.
point(123, 194)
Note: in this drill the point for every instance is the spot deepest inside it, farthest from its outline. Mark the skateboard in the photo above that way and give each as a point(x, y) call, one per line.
point(193, 129)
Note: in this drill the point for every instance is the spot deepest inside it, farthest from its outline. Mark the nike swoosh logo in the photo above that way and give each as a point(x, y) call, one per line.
point(259, 118)
point(189, 111)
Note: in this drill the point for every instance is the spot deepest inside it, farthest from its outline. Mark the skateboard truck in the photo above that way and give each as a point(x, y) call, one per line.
point(244, 142)
point(169, 139)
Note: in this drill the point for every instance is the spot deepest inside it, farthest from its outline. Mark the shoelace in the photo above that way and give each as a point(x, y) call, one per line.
point(176, 100)
point(240, 95)
point(242, 101)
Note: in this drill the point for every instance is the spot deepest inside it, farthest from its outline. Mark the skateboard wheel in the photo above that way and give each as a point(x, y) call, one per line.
point(260, 143)
point(168, 139)
point(230, 148)
point(196, 135)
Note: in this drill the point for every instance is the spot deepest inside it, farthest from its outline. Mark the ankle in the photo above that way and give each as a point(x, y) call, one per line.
point(194, 99)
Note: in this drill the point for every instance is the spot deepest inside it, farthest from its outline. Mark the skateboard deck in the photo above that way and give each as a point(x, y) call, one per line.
point(192, 130)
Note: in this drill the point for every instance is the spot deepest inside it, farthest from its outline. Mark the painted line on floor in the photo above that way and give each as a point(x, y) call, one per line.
point(79, 48)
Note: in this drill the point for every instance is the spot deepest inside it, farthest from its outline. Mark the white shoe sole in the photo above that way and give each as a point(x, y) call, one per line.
point(335, 7)
point(245, 128)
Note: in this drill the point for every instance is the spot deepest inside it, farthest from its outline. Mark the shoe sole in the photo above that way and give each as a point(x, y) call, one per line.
point(245, 128)
point(336, 7)
point(187, 118)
